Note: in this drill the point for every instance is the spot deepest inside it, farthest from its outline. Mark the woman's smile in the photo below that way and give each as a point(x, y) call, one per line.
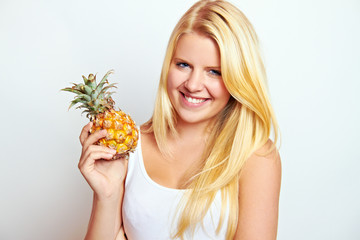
point(193, 101)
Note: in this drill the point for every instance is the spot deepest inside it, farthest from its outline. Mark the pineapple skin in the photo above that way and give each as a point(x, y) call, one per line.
point(122, 133)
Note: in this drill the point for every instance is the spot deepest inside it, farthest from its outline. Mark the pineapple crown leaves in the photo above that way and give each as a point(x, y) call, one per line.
point(94, 98)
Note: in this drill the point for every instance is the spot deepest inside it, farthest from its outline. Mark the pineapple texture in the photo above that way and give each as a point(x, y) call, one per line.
point(122, 134)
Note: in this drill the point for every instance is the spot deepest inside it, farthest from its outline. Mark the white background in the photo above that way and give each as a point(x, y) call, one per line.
point(311, 51)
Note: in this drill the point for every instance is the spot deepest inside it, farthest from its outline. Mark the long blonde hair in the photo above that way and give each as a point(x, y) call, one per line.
point(242, 127)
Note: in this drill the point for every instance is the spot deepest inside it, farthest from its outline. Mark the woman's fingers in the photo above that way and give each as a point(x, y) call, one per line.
point(95, 153)
point(85, 133)
point(92, 149)
point(93, 138)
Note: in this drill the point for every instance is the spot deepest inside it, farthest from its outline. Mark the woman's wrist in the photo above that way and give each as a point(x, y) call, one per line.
point(111, 197)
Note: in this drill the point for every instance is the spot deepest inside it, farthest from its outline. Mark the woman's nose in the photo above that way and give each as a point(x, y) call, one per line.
point(195, 82)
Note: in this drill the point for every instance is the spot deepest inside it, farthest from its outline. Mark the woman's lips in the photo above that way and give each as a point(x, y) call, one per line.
point(193, 101)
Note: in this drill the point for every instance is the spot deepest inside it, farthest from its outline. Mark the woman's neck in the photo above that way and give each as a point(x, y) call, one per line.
point(192, 132)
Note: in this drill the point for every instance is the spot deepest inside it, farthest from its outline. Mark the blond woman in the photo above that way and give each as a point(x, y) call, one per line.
point(205, 167)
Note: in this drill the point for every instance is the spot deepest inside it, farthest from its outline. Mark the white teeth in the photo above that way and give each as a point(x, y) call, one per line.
point(194, 100)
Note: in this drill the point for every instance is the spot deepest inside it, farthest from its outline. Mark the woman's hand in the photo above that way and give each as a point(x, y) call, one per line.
point(104, 175)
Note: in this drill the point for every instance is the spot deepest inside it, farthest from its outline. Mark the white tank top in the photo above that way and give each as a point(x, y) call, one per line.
point(148, 208)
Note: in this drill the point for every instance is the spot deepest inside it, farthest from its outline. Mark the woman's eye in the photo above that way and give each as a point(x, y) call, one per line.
point(215, 72)
point(182, 65)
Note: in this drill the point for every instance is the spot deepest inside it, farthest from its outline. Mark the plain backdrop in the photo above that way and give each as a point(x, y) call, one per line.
point(311, 51)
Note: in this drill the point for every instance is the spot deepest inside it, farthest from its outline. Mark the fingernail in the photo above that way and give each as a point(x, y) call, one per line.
point(113, 151)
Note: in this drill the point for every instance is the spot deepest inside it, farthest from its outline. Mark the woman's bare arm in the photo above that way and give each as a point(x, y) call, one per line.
point(106, 177)
point(259, 191)
point(105, 221)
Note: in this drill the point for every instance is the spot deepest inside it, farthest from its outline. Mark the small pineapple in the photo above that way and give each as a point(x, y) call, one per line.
point(122, 133)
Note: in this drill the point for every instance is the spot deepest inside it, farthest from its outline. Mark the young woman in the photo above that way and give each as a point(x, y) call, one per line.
point(204, 167)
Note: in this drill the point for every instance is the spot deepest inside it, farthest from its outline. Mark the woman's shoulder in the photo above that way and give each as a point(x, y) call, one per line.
point(147, 135)
point(264, 157)
point(148, 143)
point(263, 167)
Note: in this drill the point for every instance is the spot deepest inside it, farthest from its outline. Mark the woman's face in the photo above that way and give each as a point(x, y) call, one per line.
point(195, 85)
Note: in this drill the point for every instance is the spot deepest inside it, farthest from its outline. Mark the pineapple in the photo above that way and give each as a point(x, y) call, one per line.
point(122, 133)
